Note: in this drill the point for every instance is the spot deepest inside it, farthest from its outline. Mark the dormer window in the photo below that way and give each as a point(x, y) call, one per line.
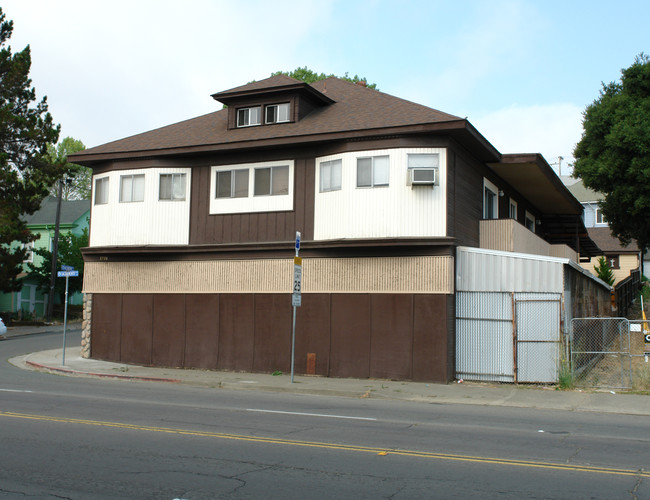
point(277, 113)
point(248, 117)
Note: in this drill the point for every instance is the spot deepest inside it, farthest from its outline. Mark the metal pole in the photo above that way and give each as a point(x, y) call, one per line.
point(293, 341)
point(65, 316)
point(293, 327)
point(55, 251)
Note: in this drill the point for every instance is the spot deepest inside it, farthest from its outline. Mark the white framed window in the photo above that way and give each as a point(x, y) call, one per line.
point(29, 247)
point(600, 219)
point(101, 191)
point(131, 188)
point(330, 175)
point(248, 117)
point(513, 209)
point(373, 171)
point(232, 183)
point(490, 200)
point(252, 187)
point(271, 181)
point(530, 221)
point(277, 113)
point(172, 187)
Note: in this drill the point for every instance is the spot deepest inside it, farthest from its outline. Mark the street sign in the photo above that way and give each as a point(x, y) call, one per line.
point(67, 274)
point(297, 242)
point(297, 275)
point(67, 268)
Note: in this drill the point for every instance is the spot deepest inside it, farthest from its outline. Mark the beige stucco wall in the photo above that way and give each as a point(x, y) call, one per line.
point(428, 274)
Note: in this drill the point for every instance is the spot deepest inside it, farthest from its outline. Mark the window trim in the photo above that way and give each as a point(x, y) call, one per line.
point(338, 162)
point(173, 176)
point(532, 219)
point(494, 190)
point(271, 174)
point(372, 159)
point(252, 203)
point(233, 183)
point(599, 212)
point(277, 106)
point(248, 124)
point(104, 182)
point(515, 205)
point(132, 176)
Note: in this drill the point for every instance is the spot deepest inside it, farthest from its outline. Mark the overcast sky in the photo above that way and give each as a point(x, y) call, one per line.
point(522, 72)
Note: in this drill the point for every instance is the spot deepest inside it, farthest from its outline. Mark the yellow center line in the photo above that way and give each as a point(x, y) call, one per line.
point(334, 446)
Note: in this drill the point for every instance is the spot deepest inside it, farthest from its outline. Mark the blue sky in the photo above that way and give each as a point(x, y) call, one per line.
point(522, 72)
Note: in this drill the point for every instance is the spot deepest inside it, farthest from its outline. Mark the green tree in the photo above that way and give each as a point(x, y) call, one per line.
point(69, 253)
point(308, 76)
point(26, 127)
point(604, 271)
point(613, 155)
point(78, 179)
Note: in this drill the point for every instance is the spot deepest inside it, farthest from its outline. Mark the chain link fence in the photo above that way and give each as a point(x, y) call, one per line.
point(609, 353)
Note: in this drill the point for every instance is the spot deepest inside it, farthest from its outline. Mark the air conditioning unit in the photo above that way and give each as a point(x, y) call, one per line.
point(423, 176)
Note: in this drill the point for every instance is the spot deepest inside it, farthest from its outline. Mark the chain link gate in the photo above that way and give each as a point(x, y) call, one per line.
point(600, 352)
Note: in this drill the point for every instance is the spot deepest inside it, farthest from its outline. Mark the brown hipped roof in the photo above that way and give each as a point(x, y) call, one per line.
point(602, 236)
point(354, 109)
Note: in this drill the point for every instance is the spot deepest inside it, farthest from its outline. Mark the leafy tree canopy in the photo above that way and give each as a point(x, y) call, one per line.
point(78, 179)
point(69, 253)
point(26, 127)
point(308, 76)
point(613, 155)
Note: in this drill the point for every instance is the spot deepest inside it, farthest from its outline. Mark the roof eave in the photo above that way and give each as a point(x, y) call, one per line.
point(461, 130)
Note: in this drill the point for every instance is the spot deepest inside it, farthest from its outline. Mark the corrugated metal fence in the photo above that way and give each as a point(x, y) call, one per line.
point(508, 336)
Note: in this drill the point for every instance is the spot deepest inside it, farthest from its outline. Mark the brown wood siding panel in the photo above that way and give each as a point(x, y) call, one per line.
point(430, 338)
point(252, 227)
point(273, 319)
point(310, 199)
point(391, 344)
point(350, 346)
point(137, 326)
point(168, 330)
point(236, 331)
point(105, 328)
point(201, 331)
point(451, 339)
point(468, 202)
point(352, 335)
point(313, 332)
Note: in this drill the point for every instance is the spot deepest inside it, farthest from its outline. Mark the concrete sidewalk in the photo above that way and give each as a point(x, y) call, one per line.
point(454, 393)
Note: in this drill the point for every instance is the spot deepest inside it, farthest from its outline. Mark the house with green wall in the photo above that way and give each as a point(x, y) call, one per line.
point(75, 214)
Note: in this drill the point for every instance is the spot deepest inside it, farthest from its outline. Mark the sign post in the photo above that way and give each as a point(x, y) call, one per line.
point(66, 271)
point(296, 297)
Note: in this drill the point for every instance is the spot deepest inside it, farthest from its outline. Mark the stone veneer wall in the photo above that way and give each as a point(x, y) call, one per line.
point(85, 325)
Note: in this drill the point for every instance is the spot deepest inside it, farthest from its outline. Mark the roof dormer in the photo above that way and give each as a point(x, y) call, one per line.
point(275, 100)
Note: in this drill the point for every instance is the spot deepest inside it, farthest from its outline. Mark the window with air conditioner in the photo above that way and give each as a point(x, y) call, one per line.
point(423, 169)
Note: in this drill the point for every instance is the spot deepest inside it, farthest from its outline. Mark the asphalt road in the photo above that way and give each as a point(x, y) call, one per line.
point(80, 438)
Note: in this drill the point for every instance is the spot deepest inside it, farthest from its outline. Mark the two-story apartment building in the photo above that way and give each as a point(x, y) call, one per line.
point(192, 232)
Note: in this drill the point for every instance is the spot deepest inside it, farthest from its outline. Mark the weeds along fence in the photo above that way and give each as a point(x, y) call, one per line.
point(608, 353)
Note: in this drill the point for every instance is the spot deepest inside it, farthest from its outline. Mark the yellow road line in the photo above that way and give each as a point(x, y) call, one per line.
point(334, 446)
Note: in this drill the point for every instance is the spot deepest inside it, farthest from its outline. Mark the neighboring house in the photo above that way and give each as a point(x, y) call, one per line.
point(74, 218)
point(621, 259)
point(400, 207)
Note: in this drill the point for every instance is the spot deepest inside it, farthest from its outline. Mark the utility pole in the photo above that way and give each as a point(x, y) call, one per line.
point(559, 165)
